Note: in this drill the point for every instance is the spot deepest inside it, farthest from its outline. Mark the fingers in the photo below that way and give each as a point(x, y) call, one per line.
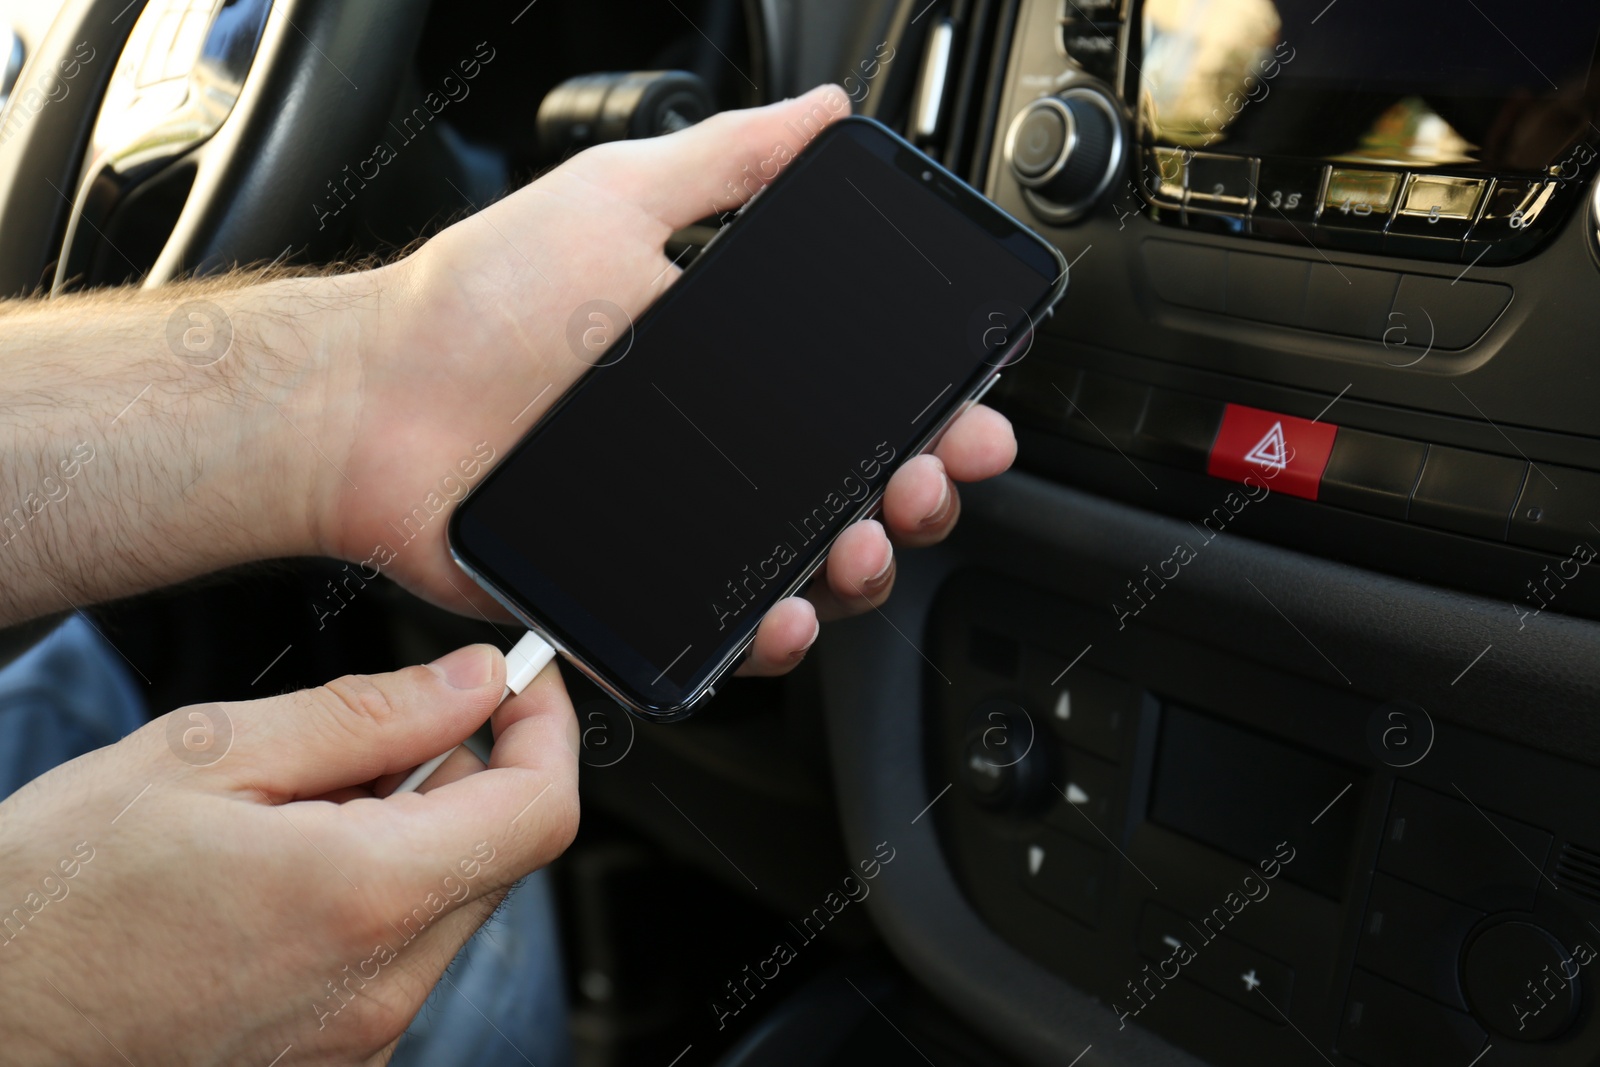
point(920, 503)
point(783, 637)
point(360, 727)
point(979, 444)
point(858, 575)
point(920, 507)
point(719, 164)
point(456, 766)
point(458, 763)
point(524, 806)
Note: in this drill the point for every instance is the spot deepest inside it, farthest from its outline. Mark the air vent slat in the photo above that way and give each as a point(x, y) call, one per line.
point(1577, 877)
point(1578, 870)
point(958, 51)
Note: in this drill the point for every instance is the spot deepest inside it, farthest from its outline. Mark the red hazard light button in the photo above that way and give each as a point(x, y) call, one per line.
point(1282, 452)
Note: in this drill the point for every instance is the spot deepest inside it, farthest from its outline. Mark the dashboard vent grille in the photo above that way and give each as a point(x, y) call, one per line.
point(1578, 869)
point(976, 86)
point(969, 95)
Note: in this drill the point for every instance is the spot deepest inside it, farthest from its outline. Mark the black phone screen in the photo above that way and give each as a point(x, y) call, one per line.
point(680, 489)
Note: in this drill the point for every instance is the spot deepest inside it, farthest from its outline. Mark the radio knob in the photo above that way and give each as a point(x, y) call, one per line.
point(1065, 151)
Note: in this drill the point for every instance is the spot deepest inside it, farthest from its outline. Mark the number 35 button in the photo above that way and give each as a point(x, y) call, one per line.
point(1286, 199)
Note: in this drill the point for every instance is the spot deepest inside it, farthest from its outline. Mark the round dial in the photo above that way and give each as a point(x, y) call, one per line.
point(1066, 150)
point(1005, 761)
point(1521, 982)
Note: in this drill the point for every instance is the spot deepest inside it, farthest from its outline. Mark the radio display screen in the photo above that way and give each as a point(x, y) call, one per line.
point(1501, 84)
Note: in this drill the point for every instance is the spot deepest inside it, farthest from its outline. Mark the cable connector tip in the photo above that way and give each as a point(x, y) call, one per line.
point(526, 659)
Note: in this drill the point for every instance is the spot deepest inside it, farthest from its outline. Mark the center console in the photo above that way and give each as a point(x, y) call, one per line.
point(1334, 285)
point(1357, 238)
point(1259, 866)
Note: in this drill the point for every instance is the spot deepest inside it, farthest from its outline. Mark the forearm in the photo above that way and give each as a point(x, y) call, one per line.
point(143, 445)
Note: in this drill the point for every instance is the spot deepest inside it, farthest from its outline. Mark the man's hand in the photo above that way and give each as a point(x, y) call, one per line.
point(467, 344)
point(155, 436)
point(226, 883)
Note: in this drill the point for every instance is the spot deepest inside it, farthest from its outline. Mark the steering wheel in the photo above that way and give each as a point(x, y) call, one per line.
point(256, 101)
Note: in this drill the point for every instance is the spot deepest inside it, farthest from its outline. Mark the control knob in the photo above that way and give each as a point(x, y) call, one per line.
point(1005, 758)
point(1521, 982)
point(1066, 150)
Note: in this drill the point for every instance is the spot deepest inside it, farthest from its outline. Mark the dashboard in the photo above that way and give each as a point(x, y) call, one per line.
point(1375, 264)
point(1257, 710)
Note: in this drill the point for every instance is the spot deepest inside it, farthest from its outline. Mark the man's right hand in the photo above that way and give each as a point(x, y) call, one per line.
point(230, 882)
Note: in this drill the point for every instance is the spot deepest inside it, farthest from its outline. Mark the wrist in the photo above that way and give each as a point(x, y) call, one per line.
point(39, 1026)
point(300, 380)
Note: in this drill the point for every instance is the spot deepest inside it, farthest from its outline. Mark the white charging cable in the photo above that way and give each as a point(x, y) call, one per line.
point(523, 663)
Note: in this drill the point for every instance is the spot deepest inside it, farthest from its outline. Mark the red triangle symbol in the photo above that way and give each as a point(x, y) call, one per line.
point(1272, 451)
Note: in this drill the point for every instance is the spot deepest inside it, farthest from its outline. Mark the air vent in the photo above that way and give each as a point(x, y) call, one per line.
point(947, 105)
point(990, 25)
point(1578, 870)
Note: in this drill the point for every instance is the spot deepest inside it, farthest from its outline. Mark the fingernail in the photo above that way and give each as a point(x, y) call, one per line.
point(942, 508)
point(466, 668)
point(800, 653)
point(873, 584)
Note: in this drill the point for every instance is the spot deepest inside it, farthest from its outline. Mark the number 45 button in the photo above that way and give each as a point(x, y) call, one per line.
point(1359, 199)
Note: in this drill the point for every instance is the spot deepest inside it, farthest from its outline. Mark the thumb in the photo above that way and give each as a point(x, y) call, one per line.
point(719, 164)
point(358, 727)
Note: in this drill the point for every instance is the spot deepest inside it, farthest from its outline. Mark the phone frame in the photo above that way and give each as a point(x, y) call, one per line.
point(971, 203)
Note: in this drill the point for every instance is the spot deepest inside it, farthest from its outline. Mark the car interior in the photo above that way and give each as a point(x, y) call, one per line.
point(1242, 722)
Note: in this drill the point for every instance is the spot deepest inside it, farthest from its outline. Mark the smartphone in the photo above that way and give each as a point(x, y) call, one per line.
point(699, 470)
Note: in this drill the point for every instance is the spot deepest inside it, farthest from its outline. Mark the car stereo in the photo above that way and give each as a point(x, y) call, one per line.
point(1316, 123)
